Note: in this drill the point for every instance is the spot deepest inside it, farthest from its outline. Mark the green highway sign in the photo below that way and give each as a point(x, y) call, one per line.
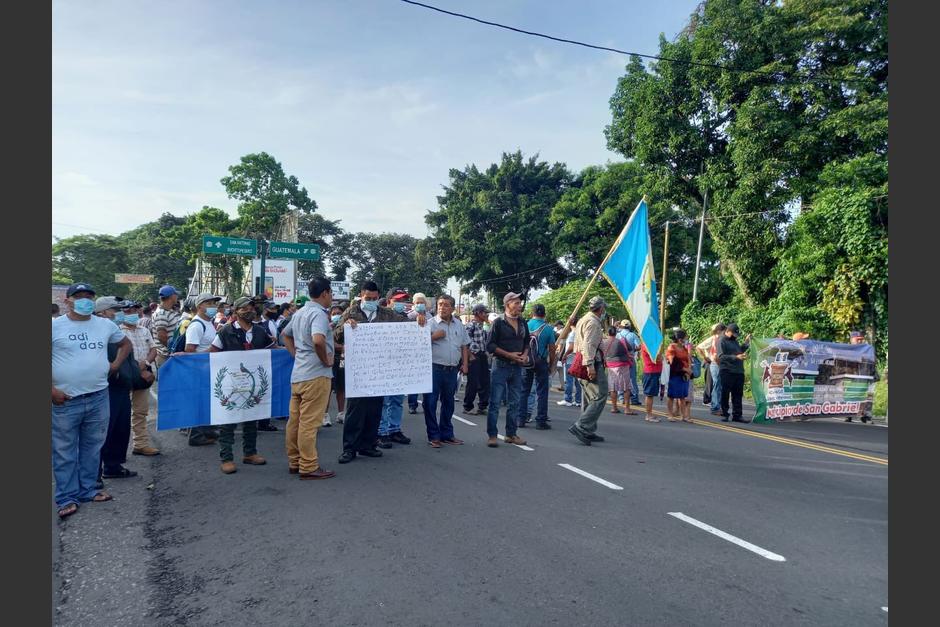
point(293, 250)
point(218, 245)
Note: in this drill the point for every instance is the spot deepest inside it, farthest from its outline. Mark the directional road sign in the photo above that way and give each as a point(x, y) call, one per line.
point(293, 250)
point(218, 245)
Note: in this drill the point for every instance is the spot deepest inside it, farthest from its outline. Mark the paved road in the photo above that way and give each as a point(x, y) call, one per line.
point(470, 535)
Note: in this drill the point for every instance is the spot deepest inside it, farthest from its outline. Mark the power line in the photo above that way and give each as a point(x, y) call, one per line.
point(626, 52)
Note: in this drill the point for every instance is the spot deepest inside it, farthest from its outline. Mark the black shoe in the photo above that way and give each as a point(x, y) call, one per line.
point(268, 427)
point(849, 419)
point(740, 420)
point(384, 442)
point(542, 426)
point(573, 430)
point(725, 419)
point(347, 457)
point(523, 424)
point(593, 437)
point(118, 473)
point(399, 437)
point(371, 452)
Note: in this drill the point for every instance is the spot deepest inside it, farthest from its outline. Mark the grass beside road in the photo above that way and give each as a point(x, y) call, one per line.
point(881, 398)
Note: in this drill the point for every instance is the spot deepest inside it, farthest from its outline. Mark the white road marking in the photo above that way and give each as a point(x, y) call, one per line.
point(603, 482)
point(465, 421)
point(522, 446)
point(885, 608)
point(730, 538)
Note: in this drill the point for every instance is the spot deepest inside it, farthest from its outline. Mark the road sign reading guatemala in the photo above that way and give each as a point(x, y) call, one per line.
point(294, 250)
point(198, 389)
point(369, 372)
point(218, 245)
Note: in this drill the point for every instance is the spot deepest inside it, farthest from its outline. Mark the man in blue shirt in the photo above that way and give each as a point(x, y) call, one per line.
point(540, 373)
point(80, 406)
point(633, 342)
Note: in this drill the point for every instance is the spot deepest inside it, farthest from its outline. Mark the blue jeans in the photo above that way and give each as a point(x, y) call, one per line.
point(634, 390)
point(444, 381)
point(505, 380)
point(572, 384)
point(536, 385)
point(716, 386)
point(413, 401)
point(79, 428)
point(391, 415)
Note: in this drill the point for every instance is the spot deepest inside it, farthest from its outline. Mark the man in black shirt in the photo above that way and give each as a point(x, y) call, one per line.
point(731, 356)
point(509, 345)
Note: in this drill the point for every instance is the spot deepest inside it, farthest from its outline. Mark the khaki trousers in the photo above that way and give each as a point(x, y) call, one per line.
point(140, 408)
point(308, 403)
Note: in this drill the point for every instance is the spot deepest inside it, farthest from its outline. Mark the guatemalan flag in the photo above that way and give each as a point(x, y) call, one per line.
point(629, 269)
point(199, 389)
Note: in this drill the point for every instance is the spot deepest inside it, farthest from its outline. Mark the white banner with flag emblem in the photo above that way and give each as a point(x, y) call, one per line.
point(241, 386)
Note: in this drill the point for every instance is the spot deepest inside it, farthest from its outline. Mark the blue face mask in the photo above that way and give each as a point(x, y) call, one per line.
point(119, 317)
point(228, 312)
point(211, 311)
point(421, 307)
point(369, 306)
point(83, 306)
point(335, 319)
point(131, 319)
point(400, 307)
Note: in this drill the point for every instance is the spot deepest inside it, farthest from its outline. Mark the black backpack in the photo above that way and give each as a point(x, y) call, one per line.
point(534, 356)
point(179, 344)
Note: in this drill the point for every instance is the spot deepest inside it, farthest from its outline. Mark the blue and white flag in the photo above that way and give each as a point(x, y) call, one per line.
point(629, 270)
point(199, 389)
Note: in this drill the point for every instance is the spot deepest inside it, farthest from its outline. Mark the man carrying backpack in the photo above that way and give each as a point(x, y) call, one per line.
point(542, 356)
point(196, 338)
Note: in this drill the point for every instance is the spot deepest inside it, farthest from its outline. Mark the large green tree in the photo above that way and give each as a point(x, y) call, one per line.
point(592, 213)
point(265, 194)
point(493, 225)
point(91, 259)
point(757, 141)
point(151, 249)
point(391, 261)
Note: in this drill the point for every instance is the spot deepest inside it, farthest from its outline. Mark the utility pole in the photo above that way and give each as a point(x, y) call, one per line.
point(698, 255)
point(262, 243)
point(662, 302)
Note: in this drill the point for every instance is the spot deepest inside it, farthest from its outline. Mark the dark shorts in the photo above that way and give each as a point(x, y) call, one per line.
point(678, 387)
point(339, 378)
point(651, 383)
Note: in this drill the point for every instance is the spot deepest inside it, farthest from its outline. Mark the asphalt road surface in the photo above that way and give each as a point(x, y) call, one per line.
point(662, 524)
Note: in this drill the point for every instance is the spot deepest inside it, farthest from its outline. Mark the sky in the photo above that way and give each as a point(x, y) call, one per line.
point(369, 103)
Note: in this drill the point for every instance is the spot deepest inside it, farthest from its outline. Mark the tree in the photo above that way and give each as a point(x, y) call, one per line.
point(494, 228)
point(91, 259)
point(759, 140)
point(150, 250)
point(592, 213)
point(390, 260)
point(265, 194)
point(186, 244)
point(334, 245)
point(560, 302)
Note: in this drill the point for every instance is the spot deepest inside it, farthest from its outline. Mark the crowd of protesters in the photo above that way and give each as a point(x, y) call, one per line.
point(107, 353)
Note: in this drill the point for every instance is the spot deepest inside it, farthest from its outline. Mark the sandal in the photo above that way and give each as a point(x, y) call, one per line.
point(689, 420)
point(615, 411)
point(101, 497)
point(630, 413)
point(68, 510)
point(648, 419)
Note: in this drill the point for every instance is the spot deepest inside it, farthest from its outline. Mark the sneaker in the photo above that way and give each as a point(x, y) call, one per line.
point(593, 437)
point(573, 430)
point(326, 421)
point(492, 442)
point(542, 426)
point(384, 442)
point(412, 410)
point(340, 417)
point(565, 403)
point(399, 438)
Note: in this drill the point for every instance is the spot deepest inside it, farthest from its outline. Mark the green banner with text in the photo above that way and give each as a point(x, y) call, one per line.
point(801, 379)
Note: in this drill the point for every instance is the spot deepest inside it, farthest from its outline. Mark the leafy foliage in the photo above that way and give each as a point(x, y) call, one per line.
point(265, 194)
point(560, 302)
point(494, 225)
point(91, 259)
point(391, 260)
